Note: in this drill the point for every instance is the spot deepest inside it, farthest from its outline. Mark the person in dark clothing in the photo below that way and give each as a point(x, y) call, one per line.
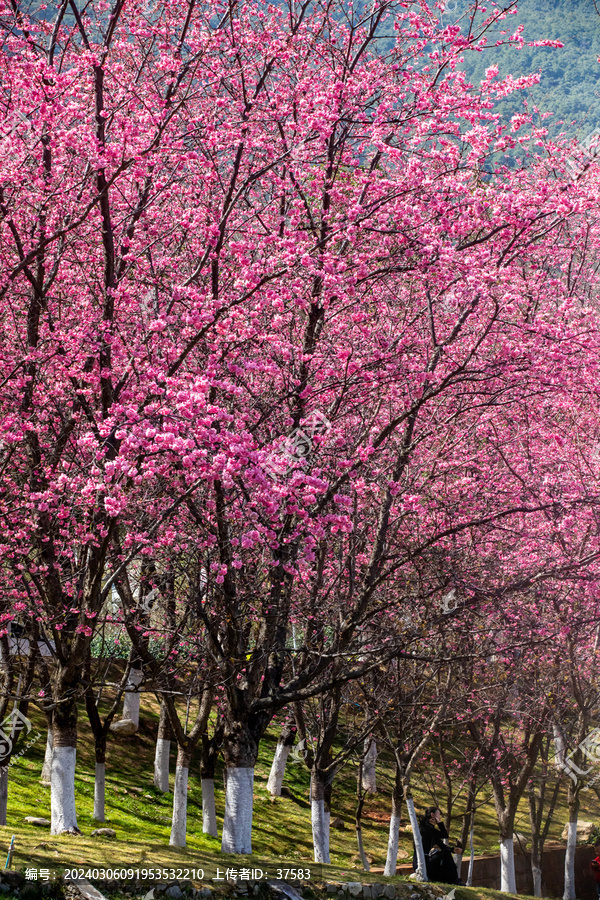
point(438, 856)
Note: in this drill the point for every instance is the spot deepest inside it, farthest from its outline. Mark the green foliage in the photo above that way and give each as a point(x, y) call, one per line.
point(570, 76)
point(594, 836)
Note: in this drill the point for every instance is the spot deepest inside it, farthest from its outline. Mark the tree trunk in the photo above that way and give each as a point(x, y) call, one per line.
point(360, 799)
point(210, 753)
point(282, 751)
point(508, 882)
point(327, 819)
point(536, 871)
point(506, 810)
point(209, 813)
point(47, 767)
point(471, 849)
point(537, 798)
point(99, 791)
point(369, 780)
point(240, 749)
point(361, 850)
point(467, 819)
point(536, 803)
point(237, 822)
point(179, 823)
point(458, 858)
point(394, 835)
point(3, 792)
point(100, 778)
point(559, 747)
point(131, 702)
point(320, 825)
point(62, 790)
point(6, 742)
point(162, 752)
point(573, 801)
point(421, 864)
point(508, 789)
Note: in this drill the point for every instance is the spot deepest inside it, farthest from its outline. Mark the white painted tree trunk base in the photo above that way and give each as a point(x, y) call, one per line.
point(209, 813)
point(559, 747)
point(275, 782)
point(46, 775)
point(508, 882)
point(361, 850)
point(392, 849)
point(569, 893)
point(179, 822)
point(471, 853)
point(99, 791)
point(320, 831)
point(131, 701)
point(161, 765)
point(369, 780)
point(421, 872)
point(62, 791)
point(237, 824)
point(537, 881)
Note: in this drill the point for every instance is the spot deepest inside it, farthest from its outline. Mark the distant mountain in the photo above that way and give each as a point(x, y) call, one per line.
point(570, 84)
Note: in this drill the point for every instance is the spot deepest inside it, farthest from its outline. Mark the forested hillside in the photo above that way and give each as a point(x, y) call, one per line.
point(570, 83)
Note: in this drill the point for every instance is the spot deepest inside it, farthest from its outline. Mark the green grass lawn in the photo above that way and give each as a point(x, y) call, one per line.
point(141, 816)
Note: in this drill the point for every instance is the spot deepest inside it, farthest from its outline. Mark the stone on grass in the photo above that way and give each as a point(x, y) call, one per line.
point(584, 831)
point(126, 727)
point(104, 832)
point(37, 820)
point(338, 823)
point(389, 891)
point(354, 888)
point(88, 891)
point(174, 892)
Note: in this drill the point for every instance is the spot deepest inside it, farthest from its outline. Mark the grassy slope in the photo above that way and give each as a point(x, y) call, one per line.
point(141, 815)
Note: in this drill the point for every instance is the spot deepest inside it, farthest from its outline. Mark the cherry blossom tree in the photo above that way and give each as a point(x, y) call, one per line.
point(263, 312)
